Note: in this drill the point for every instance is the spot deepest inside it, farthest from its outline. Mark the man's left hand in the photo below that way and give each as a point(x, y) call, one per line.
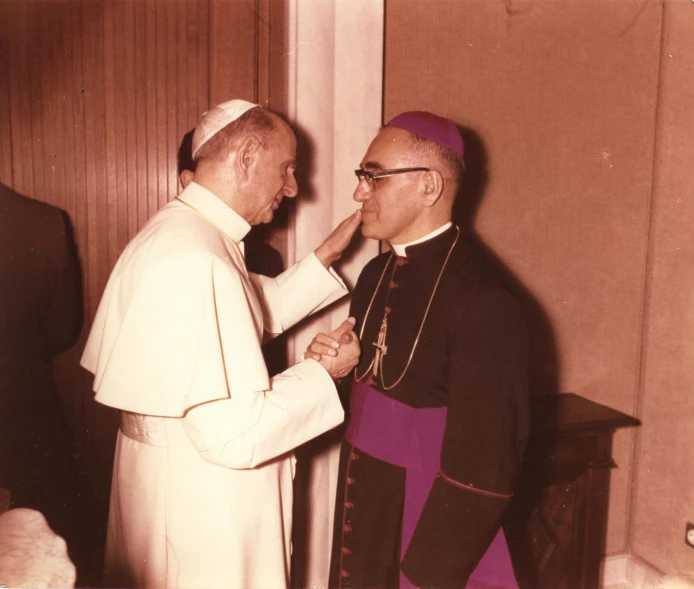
point(333, 246)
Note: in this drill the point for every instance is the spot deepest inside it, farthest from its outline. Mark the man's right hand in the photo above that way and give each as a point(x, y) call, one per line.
point(337, 352)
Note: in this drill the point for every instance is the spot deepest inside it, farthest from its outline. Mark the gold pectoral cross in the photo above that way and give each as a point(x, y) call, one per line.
point(381, 348)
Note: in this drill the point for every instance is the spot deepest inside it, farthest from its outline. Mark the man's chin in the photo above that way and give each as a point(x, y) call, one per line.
point(370, 232)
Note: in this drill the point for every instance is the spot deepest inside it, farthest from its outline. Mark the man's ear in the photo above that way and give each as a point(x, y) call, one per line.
point(187, 177)
point(432, 187)
point(247, 155)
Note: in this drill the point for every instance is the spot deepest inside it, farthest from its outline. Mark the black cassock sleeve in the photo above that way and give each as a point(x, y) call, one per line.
point(484, 441)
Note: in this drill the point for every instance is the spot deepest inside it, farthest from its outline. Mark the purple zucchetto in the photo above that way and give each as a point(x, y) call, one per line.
point(430, 126)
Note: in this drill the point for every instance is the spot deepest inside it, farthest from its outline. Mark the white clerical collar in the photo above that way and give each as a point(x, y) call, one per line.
point(215, 211)
point(399, 248)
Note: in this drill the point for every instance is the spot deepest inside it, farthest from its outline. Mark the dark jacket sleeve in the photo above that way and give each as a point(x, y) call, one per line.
point(484, 441)
point(64, 312)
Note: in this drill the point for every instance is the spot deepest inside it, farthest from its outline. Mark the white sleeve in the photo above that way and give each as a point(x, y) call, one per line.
point(303, 289)
point(250, 429)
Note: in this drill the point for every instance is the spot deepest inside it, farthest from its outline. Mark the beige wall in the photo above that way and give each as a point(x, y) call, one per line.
point(664, 482)
point(565, 98)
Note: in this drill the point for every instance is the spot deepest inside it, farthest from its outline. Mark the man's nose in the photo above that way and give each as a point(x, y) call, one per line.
point(291, 188)
point(362, 192)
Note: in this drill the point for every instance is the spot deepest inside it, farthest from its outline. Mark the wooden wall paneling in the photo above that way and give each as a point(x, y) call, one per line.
point(262, 32)
point(151, 136)
point(111, 126)
point(190, 43)
point(55, 29)
point(183, 47)
point(160, 97)
point(95, 97)
point(47, 30)
point(35, 43)
point(203, 64)
point(172, 84)
point(5, 119)
point(65, 94)
point(139, 123)
point(76, 97)
point(232, 50)
point(20, 110)
point(129, 114)
point(95, 144)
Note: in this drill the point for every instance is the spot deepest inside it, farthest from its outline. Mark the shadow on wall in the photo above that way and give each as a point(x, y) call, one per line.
point(544, 359)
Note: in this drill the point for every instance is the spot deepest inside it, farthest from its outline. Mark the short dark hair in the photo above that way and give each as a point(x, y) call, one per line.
point(185, 154)
point(450, 158)
point(256, 121)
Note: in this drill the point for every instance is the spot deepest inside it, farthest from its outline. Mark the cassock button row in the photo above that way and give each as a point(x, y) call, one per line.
point(353, 455)
point(349, 505)
point(402, 261)
point(350, 481)
point(346, 528)
point(346, 550)
point(344, 574)
point(392, 284)
point(388, 310)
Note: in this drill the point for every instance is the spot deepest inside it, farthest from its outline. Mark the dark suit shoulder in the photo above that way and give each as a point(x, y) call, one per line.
point(24, 219)
point(29, 215)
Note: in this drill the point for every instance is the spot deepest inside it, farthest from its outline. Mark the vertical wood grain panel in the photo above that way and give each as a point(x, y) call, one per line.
point(35, 45)
point(111, 125)
point(5, 119)
point(20, 111)
point(95, 97)
point(128, 119)
point(232, 50)
point(172, 83)
point(182, 49)
point(160, 96)
point(203, 62)
point(151, 106)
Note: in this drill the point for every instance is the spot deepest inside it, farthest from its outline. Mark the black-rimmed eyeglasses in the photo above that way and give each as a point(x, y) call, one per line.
point(370, 177)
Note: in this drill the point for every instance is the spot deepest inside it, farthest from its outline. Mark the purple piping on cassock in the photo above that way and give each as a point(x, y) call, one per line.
point(411, 439)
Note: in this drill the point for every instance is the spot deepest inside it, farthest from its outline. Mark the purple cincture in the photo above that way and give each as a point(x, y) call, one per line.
point(411, 439)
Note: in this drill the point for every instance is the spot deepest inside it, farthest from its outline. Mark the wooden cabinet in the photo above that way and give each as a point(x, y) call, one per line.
point(556, 523)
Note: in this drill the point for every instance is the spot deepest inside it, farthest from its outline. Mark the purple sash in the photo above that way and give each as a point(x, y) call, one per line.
point(411, 439)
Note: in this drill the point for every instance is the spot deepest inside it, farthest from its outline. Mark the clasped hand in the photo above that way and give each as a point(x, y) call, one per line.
point(338, 352)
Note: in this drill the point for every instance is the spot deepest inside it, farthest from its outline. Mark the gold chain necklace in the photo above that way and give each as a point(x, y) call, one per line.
point(381, 347)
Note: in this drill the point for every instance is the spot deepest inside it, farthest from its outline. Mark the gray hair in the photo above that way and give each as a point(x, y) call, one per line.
point(451, 159)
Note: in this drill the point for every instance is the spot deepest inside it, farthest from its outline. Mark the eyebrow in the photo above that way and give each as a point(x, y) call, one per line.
point(372, 166)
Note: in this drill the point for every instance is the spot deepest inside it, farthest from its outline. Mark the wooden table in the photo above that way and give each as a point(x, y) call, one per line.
point(557, 521)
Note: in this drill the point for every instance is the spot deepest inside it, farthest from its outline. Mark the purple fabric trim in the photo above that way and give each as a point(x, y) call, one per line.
point(411, 439)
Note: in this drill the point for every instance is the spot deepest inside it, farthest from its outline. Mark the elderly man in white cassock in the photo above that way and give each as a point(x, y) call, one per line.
point(202, 480)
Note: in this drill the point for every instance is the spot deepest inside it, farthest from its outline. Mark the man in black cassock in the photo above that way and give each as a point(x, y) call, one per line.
point(439, 402)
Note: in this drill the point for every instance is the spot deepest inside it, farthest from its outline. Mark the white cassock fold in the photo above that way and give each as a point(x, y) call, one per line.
point(202, 487)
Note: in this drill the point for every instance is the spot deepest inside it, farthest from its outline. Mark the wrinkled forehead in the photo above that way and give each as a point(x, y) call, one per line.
point(392, 146)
